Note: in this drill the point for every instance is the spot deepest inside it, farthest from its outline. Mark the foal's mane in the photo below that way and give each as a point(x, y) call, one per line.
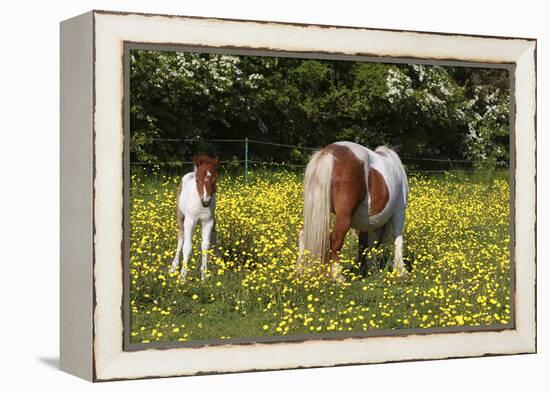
point(205, 159)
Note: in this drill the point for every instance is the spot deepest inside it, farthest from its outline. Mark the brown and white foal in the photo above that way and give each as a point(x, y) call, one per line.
point(196, 203)
point(366, 190)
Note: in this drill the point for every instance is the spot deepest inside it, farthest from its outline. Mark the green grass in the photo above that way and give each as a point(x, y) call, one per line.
point(457, 239)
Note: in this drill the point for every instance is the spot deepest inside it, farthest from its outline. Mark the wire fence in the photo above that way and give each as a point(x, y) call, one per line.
point(247, 159)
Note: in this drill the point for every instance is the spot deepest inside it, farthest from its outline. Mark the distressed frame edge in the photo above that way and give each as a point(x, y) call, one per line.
point(528, 339)
point(76, 196)
point(307, 367)
point(305, 24)
point(128, 346)
point(526, 132)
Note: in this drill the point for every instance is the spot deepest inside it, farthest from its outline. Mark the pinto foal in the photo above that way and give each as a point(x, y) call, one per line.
point(196, 202)
point(366, 190)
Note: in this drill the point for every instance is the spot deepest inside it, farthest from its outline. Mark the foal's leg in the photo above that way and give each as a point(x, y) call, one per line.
point(207, 228)
point(398, 223)
point(214, 238)
point(188, 228)
point(180, 219)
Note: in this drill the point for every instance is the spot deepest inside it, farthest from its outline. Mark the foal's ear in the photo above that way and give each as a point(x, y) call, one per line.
point(216, 160)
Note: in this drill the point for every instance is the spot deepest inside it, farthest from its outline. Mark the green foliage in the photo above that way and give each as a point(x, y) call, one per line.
point(424, 111)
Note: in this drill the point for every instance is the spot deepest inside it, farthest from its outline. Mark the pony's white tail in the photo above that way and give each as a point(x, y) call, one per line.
point(317, 202)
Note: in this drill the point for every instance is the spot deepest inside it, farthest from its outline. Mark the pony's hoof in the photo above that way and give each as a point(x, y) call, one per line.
point(183, 278)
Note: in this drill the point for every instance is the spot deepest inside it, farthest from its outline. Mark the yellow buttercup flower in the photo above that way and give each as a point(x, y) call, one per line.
point(456, 247)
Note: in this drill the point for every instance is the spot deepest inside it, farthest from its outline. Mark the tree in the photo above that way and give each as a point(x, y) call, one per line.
point(425, 111)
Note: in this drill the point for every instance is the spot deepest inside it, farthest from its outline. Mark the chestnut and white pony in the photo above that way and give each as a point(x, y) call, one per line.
point(366, 190)
point(196, 203)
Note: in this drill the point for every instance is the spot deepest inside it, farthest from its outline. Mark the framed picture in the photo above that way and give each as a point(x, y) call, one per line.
point(245, 195)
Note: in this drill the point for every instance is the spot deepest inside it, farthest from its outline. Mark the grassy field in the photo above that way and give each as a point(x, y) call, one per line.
point(456, 245)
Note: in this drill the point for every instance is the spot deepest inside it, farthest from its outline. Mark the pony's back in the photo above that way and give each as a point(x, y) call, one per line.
point(394, 157)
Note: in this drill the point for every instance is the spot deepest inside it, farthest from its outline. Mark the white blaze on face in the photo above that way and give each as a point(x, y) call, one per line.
point(205, 197)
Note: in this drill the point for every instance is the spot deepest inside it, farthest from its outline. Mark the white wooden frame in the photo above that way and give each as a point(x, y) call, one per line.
point(92, 124)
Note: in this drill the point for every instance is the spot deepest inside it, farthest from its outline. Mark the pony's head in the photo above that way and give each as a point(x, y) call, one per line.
point(206, 167)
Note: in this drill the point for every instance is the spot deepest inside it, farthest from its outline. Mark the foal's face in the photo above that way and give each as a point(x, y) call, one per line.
point(205, 176)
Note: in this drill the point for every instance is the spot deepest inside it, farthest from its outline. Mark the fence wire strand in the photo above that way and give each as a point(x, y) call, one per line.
point(283, 164)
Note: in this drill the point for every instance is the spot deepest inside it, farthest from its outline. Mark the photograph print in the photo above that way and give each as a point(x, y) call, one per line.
point(276, 198)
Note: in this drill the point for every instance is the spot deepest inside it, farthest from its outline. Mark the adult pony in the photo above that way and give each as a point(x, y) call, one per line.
point(366, 190)
point(196, 203)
